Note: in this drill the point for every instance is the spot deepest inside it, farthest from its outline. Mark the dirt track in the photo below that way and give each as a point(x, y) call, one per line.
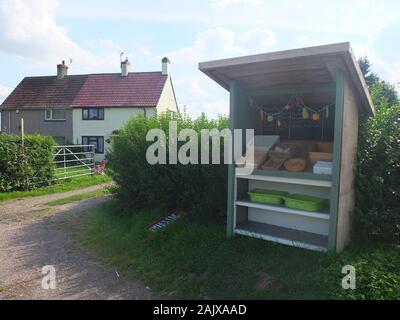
point(33, 235)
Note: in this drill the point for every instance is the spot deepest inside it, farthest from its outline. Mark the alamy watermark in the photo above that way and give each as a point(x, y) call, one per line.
point(349, 280)
point(188, 153)
point(49, 280)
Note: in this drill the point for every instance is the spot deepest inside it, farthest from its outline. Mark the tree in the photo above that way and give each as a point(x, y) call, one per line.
point(378, 168)
point(383, 93)
point(370, 77)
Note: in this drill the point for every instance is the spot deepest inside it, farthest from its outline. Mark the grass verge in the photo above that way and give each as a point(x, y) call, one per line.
point(63, 186)
point(78, 197)
point(192, 261)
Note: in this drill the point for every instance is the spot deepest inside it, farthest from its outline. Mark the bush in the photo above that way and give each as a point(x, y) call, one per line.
point(378, 176)
point(25, 166)
point(377, 275)
point(198, 189)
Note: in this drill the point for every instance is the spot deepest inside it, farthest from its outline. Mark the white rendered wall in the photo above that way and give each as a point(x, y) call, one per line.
point(114, 119)
point(167, 100)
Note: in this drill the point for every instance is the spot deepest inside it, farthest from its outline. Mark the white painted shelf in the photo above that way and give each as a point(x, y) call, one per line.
point(250, 204)
point(283, 235)
point(286, 179)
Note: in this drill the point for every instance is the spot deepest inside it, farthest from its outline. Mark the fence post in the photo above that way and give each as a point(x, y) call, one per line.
point(65, 165)
point(93, 163)
point(22, 131)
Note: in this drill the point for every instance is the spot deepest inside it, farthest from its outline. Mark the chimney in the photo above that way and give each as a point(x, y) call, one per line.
point(125, 68)
point(62, 70)
point(165, 66)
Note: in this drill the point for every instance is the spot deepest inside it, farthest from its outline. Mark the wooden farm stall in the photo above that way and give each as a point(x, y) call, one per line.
point(309, 100)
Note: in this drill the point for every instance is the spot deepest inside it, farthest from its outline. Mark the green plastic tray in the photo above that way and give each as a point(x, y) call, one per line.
point(305, 203)
point(267, 196)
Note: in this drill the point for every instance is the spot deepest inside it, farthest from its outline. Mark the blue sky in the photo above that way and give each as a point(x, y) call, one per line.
point(35, 35)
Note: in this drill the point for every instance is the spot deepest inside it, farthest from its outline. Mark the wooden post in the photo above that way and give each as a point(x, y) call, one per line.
point(337, 152)
point(22, 131)
point(24, 159)
point(231, 167)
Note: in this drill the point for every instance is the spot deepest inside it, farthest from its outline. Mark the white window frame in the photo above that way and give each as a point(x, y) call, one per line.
point(51, 115)
point(86, 141)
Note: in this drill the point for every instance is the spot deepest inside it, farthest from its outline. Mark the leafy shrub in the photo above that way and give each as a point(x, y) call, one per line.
point(378, 176)
point(377, 275)
point(199, 189)
point(384, 94)
point(24, 166)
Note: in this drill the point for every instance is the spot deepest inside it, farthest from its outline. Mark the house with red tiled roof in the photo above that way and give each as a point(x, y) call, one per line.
point(87, 108)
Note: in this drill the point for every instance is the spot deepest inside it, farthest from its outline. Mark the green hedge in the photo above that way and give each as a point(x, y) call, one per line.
point(378, 176)
point(197, 189)
point(24, 166)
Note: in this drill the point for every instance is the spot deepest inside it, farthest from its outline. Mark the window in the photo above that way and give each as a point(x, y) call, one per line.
point(60, 140)
point(55, 115)
point(98, 143)
point(93, 114)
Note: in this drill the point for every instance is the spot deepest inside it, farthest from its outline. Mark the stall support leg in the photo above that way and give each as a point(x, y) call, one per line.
point(337, 156)
point(233, 88)
point(231, 198)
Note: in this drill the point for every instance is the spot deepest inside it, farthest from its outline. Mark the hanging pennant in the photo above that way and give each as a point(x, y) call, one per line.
point(326, 112)
point(305, 113)
point(316, 117)
point(279, 124)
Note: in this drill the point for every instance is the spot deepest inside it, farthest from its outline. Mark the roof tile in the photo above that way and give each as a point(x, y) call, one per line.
point(138, 89)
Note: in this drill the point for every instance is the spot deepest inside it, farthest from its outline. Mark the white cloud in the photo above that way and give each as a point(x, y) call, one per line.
point(104, 43)
point(4, 92)
point(28, 30)
point(200, 94)
point(225, 3)
point(195, 90)
point(261, 39)
point(299, 4)
point(212, 43)
point(218, 43)
point(145, 50)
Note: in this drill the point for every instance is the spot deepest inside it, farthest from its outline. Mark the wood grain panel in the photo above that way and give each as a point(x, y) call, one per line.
point(348, 166)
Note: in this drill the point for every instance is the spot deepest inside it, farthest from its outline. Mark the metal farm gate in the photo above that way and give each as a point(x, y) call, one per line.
point(73, 161)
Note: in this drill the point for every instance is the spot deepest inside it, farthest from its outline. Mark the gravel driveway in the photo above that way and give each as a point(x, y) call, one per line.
point(33, 235)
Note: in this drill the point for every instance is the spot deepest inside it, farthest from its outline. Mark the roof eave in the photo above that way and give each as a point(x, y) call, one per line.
point(338, 49)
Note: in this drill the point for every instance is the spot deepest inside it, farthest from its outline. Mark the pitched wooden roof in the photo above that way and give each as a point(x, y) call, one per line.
point(305, 67)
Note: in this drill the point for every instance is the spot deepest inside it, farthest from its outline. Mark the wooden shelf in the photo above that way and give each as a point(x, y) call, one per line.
point(300, 178)
point(245, 202)
point(283, 235)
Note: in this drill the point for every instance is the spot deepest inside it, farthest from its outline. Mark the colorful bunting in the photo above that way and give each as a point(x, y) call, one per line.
point(293, 103)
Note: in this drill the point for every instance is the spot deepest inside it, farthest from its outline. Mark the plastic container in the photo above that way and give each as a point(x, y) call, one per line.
point(322, 167)
point(305, 203)
point(267, 196)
